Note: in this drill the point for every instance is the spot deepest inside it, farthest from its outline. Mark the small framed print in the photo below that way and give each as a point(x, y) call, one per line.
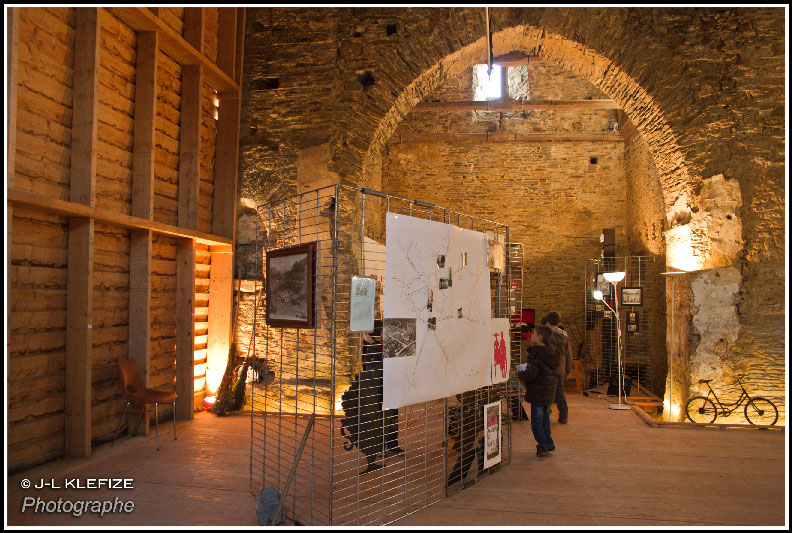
point(603, 284)
point(632, 328)
point(632, 316)
point(289, 286)
point(631, 296)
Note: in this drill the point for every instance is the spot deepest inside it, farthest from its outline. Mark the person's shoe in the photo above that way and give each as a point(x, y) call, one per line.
point(563, 420)
point(391, 452)
point(542, 452)
point(551, 449)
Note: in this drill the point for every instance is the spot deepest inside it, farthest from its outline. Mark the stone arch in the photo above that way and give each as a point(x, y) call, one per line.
point(600, 71)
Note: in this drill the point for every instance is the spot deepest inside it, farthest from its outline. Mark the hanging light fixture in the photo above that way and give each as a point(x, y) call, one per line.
point(614, 278)
point(489, 43)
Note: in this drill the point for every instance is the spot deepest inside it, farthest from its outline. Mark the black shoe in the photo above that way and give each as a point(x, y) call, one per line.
point(563, 420)
point(392, 452)
point(542, 452)
point(551, 449)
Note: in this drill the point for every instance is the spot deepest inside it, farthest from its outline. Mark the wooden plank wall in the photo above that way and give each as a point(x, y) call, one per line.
point(119, 271)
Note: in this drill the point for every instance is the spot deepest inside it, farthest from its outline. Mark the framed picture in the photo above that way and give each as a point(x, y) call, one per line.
point(492, 435)
point(290, 287)
point(632, 316)
point(631, 296)
point(632, 328)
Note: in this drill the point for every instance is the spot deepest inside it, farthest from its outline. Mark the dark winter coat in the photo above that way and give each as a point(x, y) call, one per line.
point(541, 375)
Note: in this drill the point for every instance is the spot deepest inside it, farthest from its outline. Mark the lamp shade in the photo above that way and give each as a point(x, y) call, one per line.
point(614, 277)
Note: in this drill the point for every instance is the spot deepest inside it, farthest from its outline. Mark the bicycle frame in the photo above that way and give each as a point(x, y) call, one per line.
point(729, 408)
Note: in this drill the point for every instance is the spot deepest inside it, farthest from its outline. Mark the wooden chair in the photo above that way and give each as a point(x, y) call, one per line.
point(134, 390)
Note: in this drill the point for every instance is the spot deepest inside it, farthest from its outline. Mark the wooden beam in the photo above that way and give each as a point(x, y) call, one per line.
point(503, 136)
point(174, 45)
point(140, 240)
point(508, 105)
point(226, 159)
point(82, 185)
point(185, 332)
point(194, 28)
point(46, 204)
point(226, 40)
point(190, 146)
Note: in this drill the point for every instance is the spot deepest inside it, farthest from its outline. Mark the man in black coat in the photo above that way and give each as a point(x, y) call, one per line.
point(541, 379)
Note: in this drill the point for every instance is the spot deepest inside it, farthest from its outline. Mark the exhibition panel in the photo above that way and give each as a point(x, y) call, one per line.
point(387, 342)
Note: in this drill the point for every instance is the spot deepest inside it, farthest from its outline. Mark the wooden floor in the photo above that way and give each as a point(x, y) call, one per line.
point(609, 469)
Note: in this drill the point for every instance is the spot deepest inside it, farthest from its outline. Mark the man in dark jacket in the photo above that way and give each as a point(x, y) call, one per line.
point(559, 343)
point(541, 379)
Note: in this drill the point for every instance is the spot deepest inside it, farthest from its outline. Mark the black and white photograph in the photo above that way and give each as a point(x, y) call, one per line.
point(398, 337)
point(632, 328)
point(289, 289)
point(440, 261)
point(632, 317)
point(631, 296)
point(443, 283)
point(432, 322)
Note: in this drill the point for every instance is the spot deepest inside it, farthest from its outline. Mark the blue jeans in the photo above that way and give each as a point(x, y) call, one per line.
point(540, 425)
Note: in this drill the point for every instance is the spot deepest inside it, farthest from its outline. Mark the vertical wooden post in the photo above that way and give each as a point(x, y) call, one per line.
point(226, 158)
point(185, 332)
point(226, 40)
point(189, 181)
point(194, 27)
point(79, 287)
point(229, 58)
point(190, 146)
point(140, 246)
point(12, 62)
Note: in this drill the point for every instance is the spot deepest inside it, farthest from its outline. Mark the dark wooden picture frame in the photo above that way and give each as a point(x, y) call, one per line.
point(290, 287)
point(631, 292)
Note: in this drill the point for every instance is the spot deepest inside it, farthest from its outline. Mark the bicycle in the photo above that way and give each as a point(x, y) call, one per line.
point(758, 411)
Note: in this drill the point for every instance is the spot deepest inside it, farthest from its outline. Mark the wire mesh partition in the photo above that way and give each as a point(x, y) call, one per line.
point(641, 307)
point(319, 436)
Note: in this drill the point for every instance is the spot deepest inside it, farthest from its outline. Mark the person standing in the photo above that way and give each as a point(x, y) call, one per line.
point(559, 343)
point(540, 379)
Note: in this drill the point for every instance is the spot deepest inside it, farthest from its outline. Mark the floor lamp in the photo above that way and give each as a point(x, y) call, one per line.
point(614, 278)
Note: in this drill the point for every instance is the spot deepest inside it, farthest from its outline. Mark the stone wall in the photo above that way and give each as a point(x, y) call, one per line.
point(704, 87)
point(554, 199)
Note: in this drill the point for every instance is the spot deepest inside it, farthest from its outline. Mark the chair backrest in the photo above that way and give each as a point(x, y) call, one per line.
point(131, 379)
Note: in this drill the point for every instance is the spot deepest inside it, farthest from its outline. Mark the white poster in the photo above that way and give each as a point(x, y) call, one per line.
point(501, 352)
point(436, 327)
point(492, 434)
point(374, 266)
point(361, 304)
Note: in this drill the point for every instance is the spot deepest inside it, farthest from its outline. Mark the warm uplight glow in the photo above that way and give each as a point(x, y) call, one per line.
point(597, 295)
point(614, 277)
point(680, 253)
point(215, 368)
point(209, 401)
point(672, 411)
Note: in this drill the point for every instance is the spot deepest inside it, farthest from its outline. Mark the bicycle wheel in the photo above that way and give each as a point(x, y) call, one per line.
point(761, 412)
point(701, 410)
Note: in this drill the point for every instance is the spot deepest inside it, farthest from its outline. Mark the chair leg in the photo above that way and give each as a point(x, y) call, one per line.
point(174, 419)
point(156, 423)
point(119, 424)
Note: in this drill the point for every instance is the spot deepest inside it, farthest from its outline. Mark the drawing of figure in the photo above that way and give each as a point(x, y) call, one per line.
point(503, 356)
point(500, 354)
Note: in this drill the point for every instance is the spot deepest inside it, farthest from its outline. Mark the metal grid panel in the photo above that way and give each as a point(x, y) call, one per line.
point(335, 483)
point(642, 326)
